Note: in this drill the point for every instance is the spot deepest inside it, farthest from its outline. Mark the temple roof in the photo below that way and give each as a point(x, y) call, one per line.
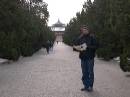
point(58, 24)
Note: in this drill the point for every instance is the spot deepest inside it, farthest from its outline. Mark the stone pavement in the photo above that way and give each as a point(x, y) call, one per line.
point(58, 74)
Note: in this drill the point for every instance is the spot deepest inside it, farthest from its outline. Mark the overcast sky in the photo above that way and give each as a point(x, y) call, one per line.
point(63, 9)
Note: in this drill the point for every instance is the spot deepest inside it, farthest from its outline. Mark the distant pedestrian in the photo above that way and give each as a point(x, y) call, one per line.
point(48, 46)
point(51, 45)
point(57, 42)
point(86, 44)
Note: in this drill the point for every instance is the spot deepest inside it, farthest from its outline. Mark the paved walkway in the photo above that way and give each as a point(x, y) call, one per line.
point(59, 75)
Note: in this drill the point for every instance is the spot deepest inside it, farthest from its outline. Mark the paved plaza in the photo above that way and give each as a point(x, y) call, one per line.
point(58, 74)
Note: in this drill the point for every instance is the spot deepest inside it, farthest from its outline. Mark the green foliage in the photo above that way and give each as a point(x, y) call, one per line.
point(72, 32)
point(23, 27)
point(8, 47)
point(110, 20)
point(124, 62)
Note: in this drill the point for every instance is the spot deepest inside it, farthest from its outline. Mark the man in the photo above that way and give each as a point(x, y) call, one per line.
point(86, 44)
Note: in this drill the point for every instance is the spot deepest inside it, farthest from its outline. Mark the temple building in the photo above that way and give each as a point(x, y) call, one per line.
point(58, 28)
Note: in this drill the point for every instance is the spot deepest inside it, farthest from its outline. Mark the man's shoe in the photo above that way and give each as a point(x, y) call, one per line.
point(84, 89)
point(90, 89)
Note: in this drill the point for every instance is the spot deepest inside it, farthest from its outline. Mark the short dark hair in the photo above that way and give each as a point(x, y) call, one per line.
point(88, 28)
point(84, 26)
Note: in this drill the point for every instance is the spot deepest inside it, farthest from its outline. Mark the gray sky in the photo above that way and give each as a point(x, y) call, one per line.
point(63, 9)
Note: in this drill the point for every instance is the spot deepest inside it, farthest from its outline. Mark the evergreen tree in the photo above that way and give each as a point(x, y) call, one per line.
point(109, 19)
point(23, 27)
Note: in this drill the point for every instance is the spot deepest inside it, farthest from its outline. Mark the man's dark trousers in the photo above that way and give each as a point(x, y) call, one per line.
point(87, 66)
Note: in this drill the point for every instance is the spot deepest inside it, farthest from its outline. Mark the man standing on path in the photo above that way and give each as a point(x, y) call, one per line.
point(86, 44)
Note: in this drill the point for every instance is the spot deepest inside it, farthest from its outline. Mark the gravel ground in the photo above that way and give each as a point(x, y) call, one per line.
point(58, 74)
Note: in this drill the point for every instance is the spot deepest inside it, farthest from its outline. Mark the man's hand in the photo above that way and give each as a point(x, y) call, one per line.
point(81, 47)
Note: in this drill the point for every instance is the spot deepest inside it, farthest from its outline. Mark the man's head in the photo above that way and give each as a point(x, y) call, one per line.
point(84, 29)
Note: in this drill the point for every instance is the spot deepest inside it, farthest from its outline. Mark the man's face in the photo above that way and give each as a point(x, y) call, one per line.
point(84, 30)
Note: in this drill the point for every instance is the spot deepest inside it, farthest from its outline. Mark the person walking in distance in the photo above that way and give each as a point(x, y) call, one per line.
point(48, 46)
point(86, 44)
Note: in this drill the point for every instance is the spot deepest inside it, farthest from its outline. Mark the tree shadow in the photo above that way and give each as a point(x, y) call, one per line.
point(127, 75)
point(7, 62)
point(94, 93)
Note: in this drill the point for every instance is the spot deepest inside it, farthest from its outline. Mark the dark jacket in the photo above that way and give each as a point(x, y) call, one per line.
point(92, 45)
